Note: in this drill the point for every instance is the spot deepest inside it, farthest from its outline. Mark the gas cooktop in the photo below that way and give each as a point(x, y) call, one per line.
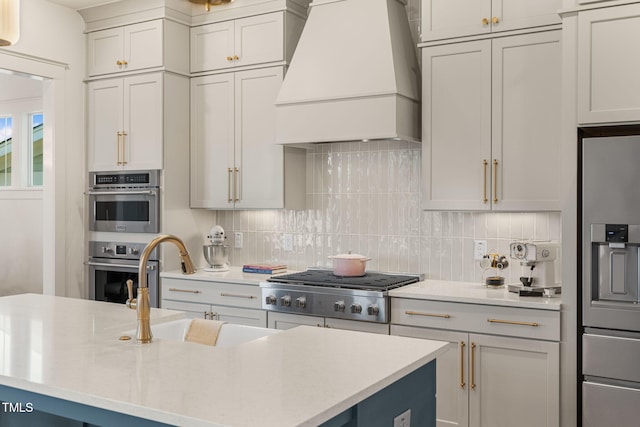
point(370, 281)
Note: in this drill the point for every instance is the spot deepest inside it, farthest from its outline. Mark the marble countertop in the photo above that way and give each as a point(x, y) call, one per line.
point(234, 275)
point(473, 293)
point(64, 348)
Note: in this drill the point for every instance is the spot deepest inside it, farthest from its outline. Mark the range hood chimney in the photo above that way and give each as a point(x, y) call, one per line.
point(354, 76)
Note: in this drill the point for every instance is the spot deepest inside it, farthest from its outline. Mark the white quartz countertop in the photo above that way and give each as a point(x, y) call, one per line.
point(473, 293)
point(234, 275)
point(69, 349)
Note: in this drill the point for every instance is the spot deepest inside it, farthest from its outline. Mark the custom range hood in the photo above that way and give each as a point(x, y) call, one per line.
point(354, 76)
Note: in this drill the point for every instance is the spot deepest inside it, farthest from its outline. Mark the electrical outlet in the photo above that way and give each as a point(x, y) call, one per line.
point(403, 420)
point(479, 249)
point(238, 240)
point(288, 242)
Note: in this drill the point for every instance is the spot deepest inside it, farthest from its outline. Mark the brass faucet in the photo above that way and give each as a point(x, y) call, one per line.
point(141, 304)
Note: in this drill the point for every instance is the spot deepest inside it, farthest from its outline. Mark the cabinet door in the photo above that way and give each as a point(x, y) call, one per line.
point(609, 65)
point(516, 14)
point(526, 114)
point(104, 51)
point(260, 161)
point(457, 126)
point(354, 325)
point(259, 39)
point(240, 316)
point(287, 321)
point(143, 44)
point(212, 46)
point(452, 374)
point(212, 141)
point(513, 382)
point(143, 121)
point(105, 101)
point(454, 18)
point(191, 310)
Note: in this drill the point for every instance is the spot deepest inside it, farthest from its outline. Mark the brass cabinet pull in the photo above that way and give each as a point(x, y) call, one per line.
point(189, 291)
point(484, 176)
point(229, 58)
point(118, 161)
point(223, 294)
point(417, 313)
point(485, 21)
point(124, 134)
point(495, 20)
point(495, 181)
point(462, 346)
point(473, 366)
point(513, 322)
point(235, 185)
point(235, 57)
point(229, 199)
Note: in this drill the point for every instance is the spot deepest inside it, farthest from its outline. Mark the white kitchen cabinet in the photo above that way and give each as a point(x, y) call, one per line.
point(235, 162)
point(125, 123)
point(609, 65)
point(241, 42)
point(276, 320)
point(485, 379)
point(442, 19)
point(140, 46)
point(491, 124)
point(229, 302)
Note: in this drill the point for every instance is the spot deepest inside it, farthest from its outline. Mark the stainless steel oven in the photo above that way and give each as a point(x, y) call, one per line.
point(111, 264)
point(124, 201)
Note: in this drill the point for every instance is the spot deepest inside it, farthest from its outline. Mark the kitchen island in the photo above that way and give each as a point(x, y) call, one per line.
point(62, 361)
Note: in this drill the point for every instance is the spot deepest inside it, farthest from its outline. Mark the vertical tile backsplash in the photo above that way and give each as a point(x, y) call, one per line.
point(365, 197)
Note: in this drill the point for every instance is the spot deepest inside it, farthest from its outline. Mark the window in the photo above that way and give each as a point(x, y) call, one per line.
point(6, 139)
point(35, 150)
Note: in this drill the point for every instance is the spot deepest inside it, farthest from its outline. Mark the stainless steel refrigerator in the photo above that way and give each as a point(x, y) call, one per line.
point(609, 274)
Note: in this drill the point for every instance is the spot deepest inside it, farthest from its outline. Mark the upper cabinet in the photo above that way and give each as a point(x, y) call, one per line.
point(608, 65)
point(147, 45)
point(491, 124)
point(442, 19)
point(246, 41)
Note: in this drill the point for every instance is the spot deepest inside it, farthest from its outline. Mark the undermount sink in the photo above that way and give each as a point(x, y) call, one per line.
point(229, 334)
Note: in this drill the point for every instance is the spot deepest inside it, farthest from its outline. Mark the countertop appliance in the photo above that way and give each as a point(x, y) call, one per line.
point(538, 262)
point(319, 292)
point(216, 253)
point(124, 201)
point(610, 259)
point(111, 264)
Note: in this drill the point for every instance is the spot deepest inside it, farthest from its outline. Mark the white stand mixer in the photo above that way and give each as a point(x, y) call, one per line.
point(216, 253)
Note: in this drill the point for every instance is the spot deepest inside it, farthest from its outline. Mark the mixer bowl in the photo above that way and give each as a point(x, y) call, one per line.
point(216, 255)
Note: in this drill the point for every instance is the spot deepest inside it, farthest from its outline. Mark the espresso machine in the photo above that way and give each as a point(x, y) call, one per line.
point(538, 262)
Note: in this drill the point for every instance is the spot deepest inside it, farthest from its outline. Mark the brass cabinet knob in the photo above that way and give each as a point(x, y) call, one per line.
point(495, 20)
point(118, 62)
point(229, 58)
point(235, 57)
point(485, 21)
point(124, 62)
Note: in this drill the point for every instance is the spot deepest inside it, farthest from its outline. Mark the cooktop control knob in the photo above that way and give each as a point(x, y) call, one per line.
point(301, 302)
point(339, 306)
point(271, 300)
point(285, 301)
point(373, 310)
point(356, 308)
point(133, 251)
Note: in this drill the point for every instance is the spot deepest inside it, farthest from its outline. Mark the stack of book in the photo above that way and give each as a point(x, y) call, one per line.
point(264, 268)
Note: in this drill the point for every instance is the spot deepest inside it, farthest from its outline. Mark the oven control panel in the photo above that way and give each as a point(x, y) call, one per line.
point(342, 304)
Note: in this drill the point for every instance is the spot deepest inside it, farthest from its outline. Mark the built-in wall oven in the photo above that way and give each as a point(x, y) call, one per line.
point(111, 264)
point(124, 201)
point(610, 266)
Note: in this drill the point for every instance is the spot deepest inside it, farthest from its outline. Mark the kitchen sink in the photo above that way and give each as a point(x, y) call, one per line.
point(230, 334)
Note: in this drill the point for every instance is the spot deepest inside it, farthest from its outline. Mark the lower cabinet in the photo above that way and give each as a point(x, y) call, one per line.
point(489, 380)
point(287, 321)
point(229, 302)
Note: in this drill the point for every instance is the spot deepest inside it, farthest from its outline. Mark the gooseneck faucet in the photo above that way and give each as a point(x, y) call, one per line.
point(141, 304)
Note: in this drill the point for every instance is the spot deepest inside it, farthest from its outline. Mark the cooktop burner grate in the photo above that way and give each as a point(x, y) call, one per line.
point(326, 278)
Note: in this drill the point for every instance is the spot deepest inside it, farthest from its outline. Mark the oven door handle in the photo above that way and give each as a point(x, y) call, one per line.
point(121, 193)
point(104, 264)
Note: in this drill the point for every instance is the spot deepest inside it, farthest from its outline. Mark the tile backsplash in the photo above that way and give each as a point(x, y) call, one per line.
point(364, 197)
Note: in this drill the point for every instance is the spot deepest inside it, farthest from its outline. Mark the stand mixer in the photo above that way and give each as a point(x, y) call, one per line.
point(538, 263)
point(217, 253)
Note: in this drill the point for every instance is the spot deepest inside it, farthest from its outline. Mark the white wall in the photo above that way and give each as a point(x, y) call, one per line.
point(55, 34)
